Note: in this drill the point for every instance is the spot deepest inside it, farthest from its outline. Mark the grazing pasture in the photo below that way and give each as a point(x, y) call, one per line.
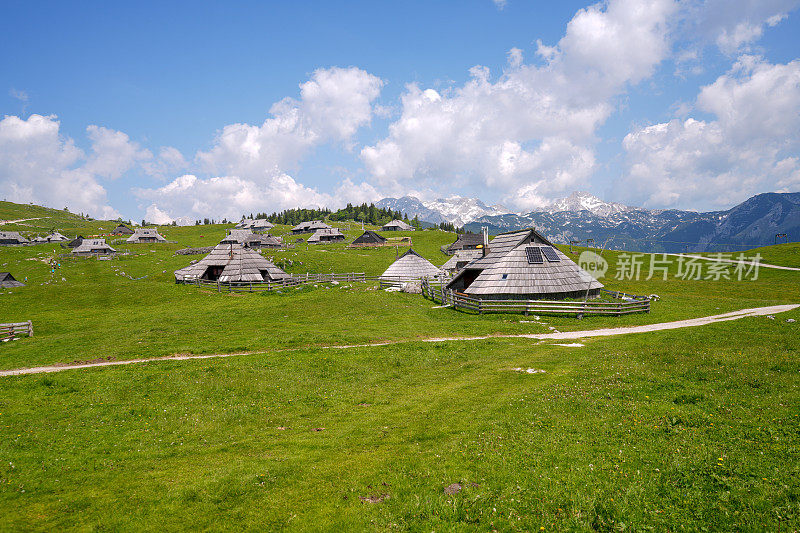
point(693, 428)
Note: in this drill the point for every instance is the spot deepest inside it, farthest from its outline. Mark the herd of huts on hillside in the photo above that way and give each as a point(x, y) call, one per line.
point(520, 264)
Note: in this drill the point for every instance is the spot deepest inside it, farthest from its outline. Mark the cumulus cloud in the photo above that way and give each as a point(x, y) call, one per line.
point(747, 149)
point(332, 106)
point(734, 25)
point(530, 132)
point(38, 164)
point(232, 196)
point(113, 153)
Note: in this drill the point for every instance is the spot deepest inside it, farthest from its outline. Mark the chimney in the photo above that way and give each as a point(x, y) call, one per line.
point(485, 231)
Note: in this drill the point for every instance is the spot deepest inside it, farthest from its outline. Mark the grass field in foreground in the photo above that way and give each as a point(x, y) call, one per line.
point(686, 429)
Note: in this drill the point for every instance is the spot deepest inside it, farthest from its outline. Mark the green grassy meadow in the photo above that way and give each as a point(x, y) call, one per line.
point(691, 429)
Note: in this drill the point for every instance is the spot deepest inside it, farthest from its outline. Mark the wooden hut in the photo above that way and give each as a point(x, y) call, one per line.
point(460, 259)
point(75, 242)
point(322, 236)
point(53, 237)
point(230, 261)
point(249, 239)
point(7, 281)
point(145, 235)
point(93, 247)
point(259, 224)
point(309, 227)
point(523, 265)
point(122, 229)
point(369, 238)
point(397, 225)
point(465, 241)
point(10, 238)
point(410, 266)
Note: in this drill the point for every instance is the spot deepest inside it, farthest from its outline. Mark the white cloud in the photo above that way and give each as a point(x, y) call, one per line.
point(231, 196)
point(734, 25)
point(529, 133)
point(39, 165)
point(333, 105)
point(747, 149)
point(113, 153)
point(170, 161)
point(500, 4)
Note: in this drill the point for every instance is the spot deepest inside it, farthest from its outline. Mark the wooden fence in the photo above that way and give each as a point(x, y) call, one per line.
point(286, 283)
point(440, 294)
point(9, 331)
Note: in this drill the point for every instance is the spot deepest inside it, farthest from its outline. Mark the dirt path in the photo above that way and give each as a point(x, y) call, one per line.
point(603, 332)
point(19, 220)
point(748, 263)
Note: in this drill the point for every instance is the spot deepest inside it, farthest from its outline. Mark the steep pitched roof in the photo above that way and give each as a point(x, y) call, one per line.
point(145, 233)
point(398, 224)
point(326, 234)
point(12, 237)
point(7, 281)
point(234, 262)
point(411, 265)
point(511, 269)
point(93, 246)
point(369, 237)
point(122, 229)
point(461, 257)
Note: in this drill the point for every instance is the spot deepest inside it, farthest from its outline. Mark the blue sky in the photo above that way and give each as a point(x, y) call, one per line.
point(166, 111)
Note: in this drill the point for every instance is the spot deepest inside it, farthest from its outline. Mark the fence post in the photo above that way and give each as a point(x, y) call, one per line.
point(30, 328)
point(219, 289)
point(480, 307)
point(619, 309)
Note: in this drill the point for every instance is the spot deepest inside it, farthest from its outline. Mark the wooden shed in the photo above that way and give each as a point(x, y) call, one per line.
point(53, 237)
point(369, 238)
point(465, 241)
point(93, 247)
point(122, 229)
point(231, 262)
point(397, 225)
point(460, 259)
point(75, 242)
point(524, 265)
point(145, 235)
point(410, 266)
point(309, 227)
point(7, 281)
point(12, 237)
point(259, 224)
point(252, 240)
point(322, 236)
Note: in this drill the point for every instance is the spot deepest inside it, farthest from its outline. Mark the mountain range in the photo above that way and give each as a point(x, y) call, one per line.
point(582, 216)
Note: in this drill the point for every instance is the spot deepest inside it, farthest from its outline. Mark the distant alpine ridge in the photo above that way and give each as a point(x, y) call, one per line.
point(582, 216)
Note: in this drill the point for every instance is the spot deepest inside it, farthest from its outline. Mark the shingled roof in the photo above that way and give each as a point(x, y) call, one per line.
point(465, 241)
point(143, 235)
point(93, 246)
point(53, 237)
point(325, 235)
point(397, 225)
point(122, 229)
point(310, 227)
point(411, 265)
point(259, 224)
point(461, 258)
point(523, 264)
point(7, 281)
point(369, 237)
point(231, 262)
point(252, 240)
point(12, 237)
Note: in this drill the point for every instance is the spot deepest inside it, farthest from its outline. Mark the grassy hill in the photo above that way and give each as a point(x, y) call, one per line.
point(693, 428)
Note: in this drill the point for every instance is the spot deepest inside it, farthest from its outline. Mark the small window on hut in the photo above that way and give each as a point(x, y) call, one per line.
point(505, 276)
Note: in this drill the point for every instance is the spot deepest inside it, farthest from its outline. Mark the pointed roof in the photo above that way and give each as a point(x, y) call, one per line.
point(233, 262)
point(369, 237)
point(93, 246)
point(7, 281)
point(12, 237)
point(325, 235)
point(122, 229)
point(411, 265)
point(524, 263)
point(145, 233)
point(398, 225)
point(258, 224)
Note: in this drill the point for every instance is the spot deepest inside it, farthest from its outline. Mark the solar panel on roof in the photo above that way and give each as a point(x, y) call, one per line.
point(534, 255)
point(550, 254)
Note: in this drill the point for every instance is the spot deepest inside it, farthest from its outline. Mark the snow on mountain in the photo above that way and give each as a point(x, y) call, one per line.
point(583, 201)
point(455, 209)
